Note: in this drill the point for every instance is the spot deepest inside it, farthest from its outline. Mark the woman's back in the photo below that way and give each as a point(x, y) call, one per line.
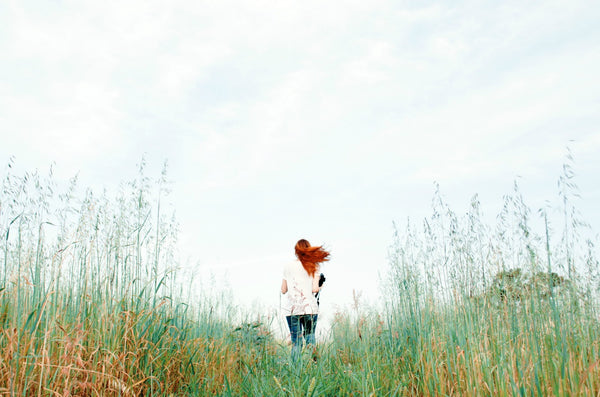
point(300, 297)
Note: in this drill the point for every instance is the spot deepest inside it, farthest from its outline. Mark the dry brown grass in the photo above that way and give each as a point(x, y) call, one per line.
point(71, 360)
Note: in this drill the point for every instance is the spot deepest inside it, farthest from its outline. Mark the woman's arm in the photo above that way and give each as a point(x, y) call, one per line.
point(284, 287)
point(315, 283)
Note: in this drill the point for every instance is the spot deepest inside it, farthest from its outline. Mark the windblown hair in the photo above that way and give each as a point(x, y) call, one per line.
point(310, 257)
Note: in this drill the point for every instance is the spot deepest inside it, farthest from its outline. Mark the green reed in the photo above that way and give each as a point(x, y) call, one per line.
point(88, 298)
point(92, 302)
point(496, 311)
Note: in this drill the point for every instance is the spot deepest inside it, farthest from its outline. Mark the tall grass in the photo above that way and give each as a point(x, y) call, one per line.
point(92, 303)
point(90, 299)
point(503, 310)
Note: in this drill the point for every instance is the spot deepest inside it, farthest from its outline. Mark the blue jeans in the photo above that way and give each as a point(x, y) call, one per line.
point(297, 323)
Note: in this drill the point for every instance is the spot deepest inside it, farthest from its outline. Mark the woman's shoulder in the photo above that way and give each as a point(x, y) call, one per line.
point(293, 265)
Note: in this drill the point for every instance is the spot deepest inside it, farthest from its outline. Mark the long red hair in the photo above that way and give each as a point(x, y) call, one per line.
point(310, 256)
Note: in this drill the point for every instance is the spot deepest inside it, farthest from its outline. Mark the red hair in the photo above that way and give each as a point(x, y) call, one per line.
point(310, 257)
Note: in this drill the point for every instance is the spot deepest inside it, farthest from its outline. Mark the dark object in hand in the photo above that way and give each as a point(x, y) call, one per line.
point(321, 281)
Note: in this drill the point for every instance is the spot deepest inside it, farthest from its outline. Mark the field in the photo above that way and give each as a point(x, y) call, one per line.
point(92, 304)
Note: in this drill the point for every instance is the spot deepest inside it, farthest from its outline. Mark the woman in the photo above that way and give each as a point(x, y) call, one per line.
point(301, 283)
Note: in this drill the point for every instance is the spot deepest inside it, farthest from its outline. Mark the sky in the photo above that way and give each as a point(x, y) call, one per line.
point(319, 120)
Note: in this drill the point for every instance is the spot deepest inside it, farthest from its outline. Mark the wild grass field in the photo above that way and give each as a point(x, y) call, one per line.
point(92, 304)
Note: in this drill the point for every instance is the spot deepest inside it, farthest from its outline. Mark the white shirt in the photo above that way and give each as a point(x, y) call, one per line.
point(300, 298)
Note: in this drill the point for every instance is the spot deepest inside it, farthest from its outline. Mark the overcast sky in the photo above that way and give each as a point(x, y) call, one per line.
point(283, 120)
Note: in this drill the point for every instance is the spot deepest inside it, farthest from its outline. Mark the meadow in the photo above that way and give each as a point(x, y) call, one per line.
point(93, 303)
